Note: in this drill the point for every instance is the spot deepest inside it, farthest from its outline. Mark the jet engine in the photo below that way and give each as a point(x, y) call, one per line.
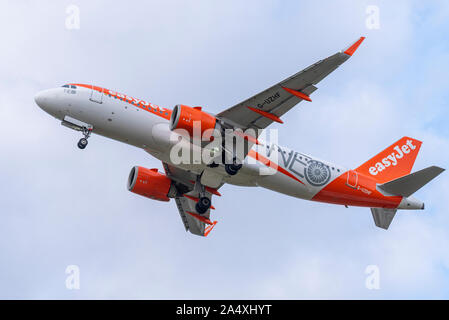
point(151, 184)
point(183, 117)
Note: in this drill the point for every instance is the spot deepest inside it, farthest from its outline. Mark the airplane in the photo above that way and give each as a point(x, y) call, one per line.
point(384, 183)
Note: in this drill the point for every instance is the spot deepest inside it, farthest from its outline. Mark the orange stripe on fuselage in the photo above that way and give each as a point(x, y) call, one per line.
point(253, 154)
point(364, 194)
point(154, 109)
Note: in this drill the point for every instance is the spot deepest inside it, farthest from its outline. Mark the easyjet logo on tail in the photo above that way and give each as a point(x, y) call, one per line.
point(393, 158)
point(395, 161)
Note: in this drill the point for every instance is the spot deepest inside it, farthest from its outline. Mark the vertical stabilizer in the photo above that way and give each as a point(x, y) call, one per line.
point(394, 162)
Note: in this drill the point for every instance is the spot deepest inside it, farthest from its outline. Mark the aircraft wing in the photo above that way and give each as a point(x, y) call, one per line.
point(186, 199)
point(259, 111)
point(197, 224)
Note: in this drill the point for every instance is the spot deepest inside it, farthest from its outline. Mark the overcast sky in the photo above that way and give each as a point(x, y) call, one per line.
point(62, 206)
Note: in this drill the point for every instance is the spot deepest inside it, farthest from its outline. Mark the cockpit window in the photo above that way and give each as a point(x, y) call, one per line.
point(70, 88)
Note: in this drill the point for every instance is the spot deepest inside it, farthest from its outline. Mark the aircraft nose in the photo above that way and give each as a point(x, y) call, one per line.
point(48, 100)
point(41, 99)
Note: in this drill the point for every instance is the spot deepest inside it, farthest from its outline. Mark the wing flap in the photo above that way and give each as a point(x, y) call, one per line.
point(193, 222)
point(182, 213)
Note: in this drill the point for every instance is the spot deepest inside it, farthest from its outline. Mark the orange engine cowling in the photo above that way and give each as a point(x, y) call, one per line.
point(151, 184)
point(183, 117)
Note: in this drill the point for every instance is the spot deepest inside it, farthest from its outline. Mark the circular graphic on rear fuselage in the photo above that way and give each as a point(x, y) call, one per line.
point(317, 173)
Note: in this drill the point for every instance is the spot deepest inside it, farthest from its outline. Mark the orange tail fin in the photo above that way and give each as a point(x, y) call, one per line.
point(394, 162)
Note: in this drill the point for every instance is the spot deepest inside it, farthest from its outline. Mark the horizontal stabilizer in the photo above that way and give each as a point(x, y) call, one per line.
point(409, 184)
point(383, 217)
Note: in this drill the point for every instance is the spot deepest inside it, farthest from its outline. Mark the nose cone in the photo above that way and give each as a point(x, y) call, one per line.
point(41, 99)
point(49, 101)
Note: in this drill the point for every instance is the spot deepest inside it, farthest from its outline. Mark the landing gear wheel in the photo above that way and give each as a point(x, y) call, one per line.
point(86, 133)
point(232, 169)
point(82, 143)
point(203, 205)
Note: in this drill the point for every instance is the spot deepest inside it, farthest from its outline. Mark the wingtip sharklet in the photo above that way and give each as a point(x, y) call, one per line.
point(350, 51)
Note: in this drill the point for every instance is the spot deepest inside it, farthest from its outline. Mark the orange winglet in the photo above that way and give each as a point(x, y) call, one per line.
point(196, 200)
point(201, 218)
point(266, 114)
point(248, 137)
point(209, 229)
point(298, 94)
point(350, 51)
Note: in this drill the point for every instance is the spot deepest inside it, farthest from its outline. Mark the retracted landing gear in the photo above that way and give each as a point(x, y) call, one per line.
point(83, 141)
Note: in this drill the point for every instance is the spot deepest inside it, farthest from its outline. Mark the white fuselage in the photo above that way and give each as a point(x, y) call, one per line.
point(148, 128)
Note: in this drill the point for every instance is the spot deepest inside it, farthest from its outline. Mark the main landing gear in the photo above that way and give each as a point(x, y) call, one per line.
point(233, 168)
point(83, 141)
point(203, 205)
point(204, 202)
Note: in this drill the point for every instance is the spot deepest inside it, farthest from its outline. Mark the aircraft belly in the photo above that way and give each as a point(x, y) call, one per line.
point(286, 185)
point(150, 132)
point(129, 125)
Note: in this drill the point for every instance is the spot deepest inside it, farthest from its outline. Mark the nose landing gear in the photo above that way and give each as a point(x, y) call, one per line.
point(83, 141)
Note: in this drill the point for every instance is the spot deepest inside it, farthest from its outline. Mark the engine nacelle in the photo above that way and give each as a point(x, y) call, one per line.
point(182, 117)
point(151, 184)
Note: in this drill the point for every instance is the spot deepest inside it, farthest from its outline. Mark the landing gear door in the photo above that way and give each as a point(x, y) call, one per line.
point(352, 179)
point(96, 94)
